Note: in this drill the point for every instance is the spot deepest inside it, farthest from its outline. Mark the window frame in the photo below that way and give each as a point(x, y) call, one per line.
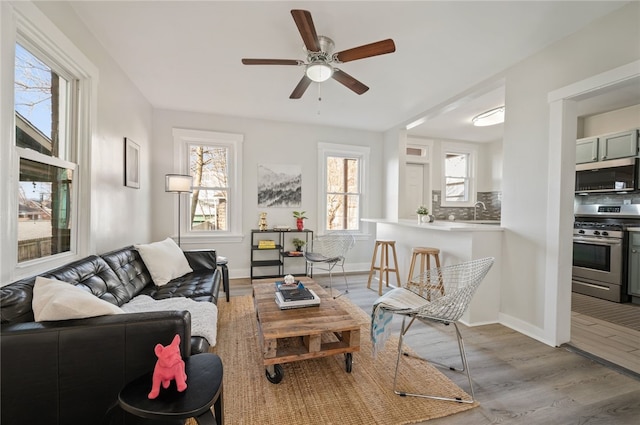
point(183, 140)
point(362, 153)
point(24, 23)
point(472, 155)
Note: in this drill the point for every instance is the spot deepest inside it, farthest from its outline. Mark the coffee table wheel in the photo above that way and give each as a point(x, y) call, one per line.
point(276, 376)
point(348, 360)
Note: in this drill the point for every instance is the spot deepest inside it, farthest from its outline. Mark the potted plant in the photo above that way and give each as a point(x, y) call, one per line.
point(298, 243)
point(423, 214)
point(299, 216)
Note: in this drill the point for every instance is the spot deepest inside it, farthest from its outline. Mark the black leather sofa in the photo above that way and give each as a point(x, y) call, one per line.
point(70, 372)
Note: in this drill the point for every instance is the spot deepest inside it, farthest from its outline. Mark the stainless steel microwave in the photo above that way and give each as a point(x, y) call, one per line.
point(618, 175)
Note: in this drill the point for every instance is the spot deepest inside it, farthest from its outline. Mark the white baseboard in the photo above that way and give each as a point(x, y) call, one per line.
point(524, 328)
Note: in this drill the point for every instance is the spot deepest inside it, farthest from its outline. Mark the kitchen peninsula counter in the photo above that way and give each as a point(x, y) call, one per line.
point(444, 225)
point(458, 242)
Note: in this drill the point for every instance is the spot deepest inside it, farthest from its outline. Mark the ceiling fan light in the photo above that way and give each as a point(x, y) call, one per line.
point(319, 72)
point(490, 117)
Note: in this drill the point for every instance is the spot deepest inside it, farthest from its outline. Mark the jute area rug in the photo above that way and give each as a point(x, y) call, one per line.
point(320, 391)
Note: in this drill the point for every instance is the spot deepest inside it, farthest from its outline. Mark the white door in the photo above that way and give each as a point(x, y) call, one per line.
point(414, 189)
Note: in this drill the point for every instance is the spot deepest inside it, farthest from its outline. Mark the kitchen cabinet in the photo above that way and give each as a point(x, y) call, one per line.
point(634, 264)
point(587, 150)
point(604, 148)
point(275, 260)
point(619, 145)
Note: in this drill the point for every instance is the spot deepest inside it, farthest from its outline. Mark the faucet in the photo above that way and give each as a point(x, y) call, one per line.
point(475, 208)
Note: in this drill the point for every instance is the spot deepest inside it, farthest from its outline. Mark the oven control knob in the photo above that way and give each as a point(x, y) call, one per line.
point(596, 232)
point(581, 232)
point(605, 233)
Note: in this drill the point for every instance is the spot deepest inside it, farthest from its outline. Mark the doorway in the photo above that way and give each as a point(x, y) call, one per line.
point(417, 186)
point(564, 111)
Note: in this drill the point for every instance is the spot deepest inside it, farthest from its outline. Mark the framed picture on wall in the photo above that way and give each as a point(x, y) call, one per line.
point(131, 163)
point(279, 185)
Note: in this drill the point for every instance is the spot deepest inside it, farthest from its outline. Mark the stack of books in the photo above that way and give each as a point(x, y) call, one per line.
point(295, 296)
point(266, 244)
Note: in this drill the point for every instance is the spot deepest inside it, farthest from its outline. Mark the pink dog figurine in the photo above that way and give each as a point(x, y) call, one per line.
point(168, 367)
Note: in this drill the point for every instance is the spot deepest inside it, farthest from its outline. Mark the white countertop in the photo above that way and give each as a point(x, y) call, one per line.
point(443, 225)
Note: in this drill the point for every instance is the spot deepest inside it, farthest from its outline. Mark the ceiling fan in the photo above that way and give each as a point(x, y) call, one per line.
point(320, 62)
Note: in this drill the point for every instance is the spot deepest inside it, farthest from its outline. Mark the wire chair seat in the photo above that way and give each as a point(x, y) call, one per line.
point(446, 294)
point(329, 251)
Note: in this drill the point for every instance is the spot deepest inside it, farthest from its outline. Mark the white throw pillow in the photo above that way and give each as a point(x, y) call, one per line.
point(164, 260)
point(56, 300)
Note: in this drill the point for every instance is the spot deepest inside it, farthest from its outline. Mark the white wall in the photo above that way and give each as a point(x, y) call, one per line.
point(265, 142)
point(610, 122)
point(120, 215)
point(605, 44)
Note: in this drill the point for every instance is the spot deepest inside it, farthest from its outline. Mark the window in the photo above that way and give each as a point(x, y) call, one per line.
point(45, 165)
point(458, 175)
point(213, 160)
point(43, 104)
point(342, 185)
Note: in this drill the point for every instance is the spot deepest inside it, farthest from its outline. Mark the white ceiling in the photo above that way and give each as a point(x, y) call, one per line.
point(186, 56)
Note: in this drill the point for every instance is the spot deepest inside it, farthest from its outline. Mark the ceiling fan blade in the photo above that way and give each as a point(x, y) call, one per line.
point(300, 88)
point(271, 62)
point(307, 29)
point(374, 49)
point(349, 82)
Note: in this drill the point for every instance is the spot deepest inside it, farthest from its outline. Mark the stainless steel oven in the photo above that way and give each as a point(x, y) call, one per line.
point(600, 243)
point(597, 263)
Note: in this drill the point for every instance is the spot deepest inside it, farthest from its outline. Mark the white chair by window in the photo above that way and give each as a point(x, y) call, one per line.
point(328, 251)
point(446, 294)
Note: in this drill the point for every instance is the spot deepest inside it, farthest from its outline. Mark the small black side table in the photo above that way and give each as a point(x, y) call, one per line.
point(222, 262)
point(204, 388)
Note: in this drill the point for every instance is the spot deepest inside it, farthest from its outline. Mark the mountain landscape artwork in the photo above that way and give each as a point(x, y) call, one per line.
point(279, 186)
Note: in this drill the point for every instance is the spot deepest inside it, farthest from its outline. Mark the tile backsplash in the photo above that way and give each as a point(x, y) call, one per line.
point(607, 198)
point(492, 200)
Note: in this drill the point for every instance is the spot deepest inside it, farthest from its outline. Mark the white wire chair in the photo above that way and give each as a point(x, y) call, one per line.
point(446, 294)
point(328, 251)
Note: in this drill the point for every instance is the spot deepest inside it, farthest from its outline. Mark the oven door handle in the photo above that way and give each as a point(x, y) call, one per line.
point(595, 241)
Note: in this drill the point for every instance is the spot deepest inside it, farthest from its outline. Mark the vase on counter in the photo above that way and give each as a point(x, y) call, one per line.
point(425, 218)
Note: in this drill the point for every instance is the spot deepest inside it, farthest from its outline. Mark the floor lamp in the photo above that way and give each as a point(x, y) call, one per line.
point(178, 183)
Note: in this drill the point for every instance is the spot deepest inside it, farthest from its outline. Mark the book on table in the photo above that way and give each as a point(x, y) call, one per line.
point(294, 292)
point(285, 305)
point(295, 295)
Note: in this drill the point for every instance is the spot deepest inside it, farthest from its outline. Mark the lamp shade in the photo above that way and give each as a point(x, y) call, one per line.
point(319, 72)
point(177, 183)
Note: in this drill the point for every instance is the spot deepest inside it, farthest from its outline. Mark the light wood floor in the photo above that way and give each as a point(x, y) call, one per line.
point(516, 378)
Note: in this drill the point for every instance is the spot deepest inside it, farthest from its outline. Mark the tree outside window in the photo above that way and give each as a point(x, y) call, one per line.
point(342, 193)
point(45, 196)
point(209, 166)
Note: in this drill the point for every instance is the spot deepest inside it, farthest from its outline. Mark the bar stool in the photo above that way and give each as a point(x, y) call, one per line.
point(425, 254)
point(384, 266)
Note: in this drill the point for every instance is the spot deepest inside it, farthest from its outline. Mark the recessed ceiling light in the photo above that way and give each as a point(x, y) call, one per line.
point(490, 117)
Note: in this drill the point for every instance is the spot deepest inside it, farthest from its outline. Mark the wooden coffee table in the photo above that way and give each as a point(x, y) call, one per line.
point(297, 334)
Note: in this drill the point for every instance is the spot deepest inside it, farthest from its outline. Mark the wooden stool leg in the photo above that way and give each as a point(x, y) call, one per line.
point(411, 267)
point(373, 263)
point(395, 261)
point(440, 282)
point(383, 267)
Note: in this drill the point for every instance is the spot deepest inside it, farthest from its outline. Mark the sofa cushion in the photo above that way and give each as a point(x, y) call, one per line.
point(130, 269)
point(197, 285)
point(93, 273)
point(164, 260)
point(55, 300)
